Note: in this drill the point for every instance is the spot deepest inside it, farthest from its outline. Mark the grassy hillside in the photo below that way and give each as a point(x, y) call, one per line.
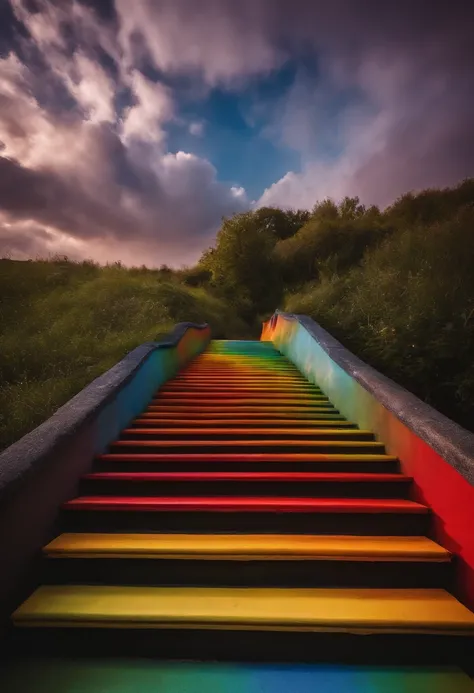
point(63, 324)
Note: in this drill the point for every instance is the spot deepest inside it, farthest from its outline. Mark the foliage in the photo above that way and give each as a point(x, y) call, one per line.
point(63, 324)
point(281, 223)
point(242, 265)
point(333, 239)
point(431, 206)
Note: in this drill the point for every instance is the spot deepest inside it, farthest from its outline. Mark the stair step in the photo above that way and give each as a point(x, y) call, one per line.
point(345, 610)
point(264, 504)
point(207, 383)
point(239, 400)
point(245, 514)
point(33, 675)
point(197, 433)
point(236, 547)
point(242, 409)
point(260, 461)
point(236, 445)
point(305, 417)
point(205, 423)
point(246, 484)
point(212, 559)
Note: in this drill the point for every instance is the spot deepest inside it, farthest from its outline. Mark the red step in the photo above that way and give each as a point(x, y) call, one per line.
point(258, 505)
point(342, 477)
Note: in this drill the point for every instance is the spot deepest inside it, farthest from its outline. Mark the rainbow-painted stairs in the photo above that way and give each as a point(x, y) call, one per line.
point(242, 505)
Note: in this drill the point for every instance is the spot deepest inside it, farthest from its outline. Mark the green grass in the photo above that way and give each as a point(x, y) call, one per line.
point(63, 324)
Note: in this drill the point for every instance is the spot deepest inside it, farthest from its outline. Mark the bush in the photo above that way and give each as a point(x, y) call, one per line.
point(333, 240)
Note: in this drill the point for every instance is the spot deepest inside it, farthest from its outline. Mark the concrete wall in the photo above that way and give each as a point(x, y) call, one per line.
point(41, 471)
point(438, 453)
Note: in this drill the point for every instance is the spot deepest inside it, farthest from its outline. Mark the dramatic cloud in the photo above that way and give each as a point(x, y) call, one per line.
point(91, 178)
point(94, 98)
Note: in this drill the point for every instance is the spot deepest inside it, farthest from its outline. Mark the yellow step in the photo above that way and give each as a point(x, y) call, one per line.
point(347, 610)
point(246, 547)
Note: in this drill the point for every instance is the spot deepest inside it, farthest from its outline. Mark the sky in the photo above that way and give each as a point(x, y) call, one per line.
point(129, 128)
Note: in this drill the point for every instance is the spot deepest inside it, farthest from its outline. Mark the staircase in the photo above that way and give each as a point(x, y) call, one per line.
point(241, 516)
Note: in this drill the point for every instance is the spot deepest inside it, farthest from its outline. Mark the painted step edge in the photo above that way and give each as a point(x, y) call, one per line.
point(246, 504)
point(198, 424)
point(247, 547)
point(424, 611)
point(197, 430)
point(248, 443)
point(304, 418)
point(246, 457)
point(297, 477)
point(302, 401)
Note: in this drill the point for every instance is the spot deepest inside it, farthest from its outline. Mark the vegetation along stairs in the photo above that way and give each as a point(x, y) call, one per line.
point(242, 516)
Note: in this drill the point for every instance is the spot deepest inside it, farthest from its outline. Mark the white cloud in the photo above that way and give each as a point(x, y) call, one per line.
point(154, 107)
point(238, 192)
point(92, 88)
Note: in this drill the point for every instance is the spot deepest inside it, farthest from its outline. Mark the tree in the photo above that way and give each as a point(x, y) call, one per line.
point(281, 223)
point(242, 263)
point(350, 208)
